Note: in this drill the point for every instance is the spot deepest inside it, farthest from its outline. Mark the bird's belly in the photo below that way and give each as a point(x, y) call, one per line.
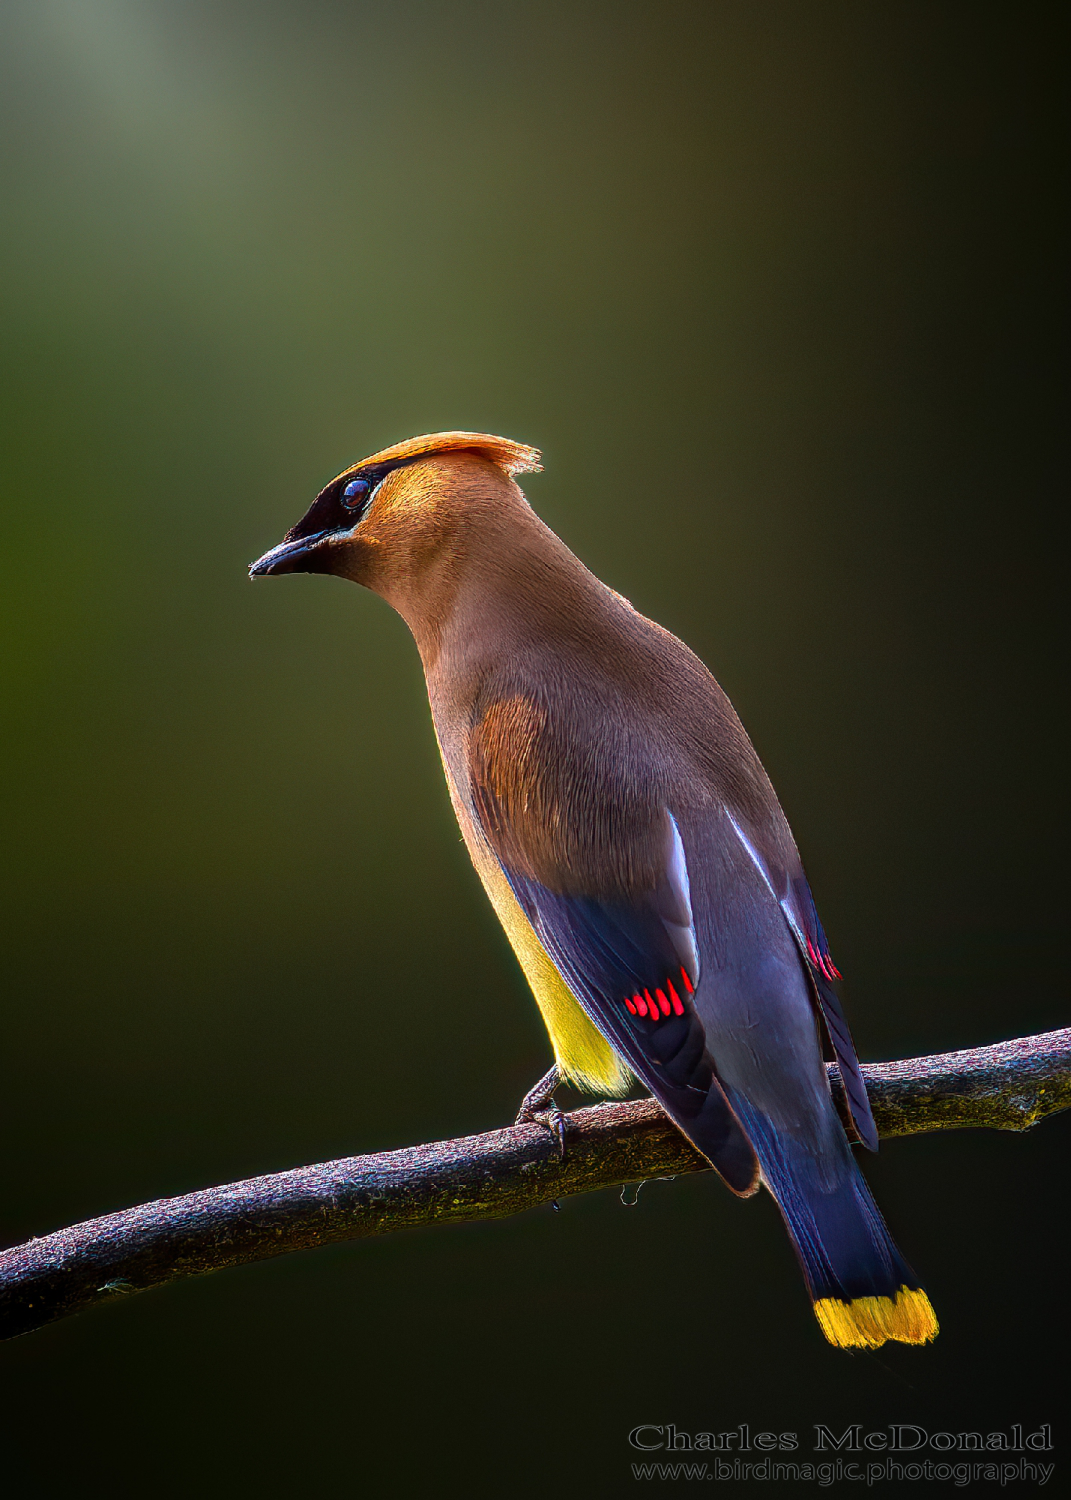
point(583, 1054)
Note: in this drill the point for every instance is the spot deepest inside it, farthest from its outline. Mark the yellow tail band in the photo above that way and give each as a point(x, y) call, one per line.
point(869, 1322)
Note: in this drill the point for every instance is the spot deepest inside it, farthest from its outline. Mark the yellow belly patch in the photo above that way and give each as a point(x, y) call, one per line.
point(869, 1322)
point(582, 1053)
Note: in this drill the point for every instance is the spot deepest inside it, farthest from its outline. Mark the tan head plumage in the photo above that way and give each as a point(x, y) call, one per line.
point(514, 458)
point(400, 520)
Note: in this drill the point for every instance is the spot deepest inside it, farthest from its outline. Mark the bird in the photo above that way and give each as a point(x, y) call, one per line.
point(632, 847)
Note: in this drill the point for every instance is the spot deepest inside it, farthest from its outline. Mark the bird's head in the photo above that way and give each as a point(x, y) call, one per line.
point(389, 520)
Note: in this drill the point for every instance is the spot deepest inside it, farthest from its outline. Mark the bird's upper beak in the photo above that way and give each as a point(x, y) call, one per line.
point(292, 556)
point(312, 546)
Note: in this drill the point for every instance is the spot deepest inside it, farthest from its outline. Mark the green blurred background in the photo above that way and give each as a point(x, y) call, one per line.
point(776, 288)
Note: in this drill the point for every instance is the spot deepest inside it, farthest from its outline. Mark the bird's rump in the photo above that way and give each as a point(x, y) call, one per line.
point(793, 895)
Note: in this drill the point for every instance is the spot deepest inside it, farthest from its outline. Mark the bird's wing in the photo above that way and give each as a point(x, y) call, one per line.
point(793, 894)
point(632, 963)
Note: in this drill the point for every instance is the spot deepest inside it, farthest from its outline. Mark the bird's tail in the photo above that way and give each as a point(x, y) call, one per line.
point(864, 1292)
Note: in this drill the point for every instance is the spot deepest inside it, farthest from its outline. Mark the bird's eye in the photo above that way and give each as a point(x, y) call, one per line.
point(355, 493)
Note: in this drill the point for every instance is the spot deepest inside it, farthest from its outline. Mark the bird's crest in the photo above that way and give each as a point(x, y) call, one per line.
point(514, 458)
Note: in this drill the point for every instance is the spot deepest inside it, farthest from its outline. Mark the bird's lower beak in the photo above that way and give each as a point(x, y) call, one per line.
point(289, 557)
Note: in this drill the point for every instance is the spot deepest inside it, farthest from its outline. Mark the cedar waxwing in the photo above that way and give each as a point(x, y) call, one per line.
point(631, 845)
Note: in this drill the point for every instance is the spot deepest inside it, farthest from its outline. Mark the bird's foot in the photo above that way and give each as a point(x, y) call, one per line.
point(538, 1107)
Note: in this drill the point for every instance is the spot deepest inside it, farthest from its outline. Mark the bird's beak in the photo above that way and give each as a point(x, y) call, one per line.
point(315, 544)
point(290, 557)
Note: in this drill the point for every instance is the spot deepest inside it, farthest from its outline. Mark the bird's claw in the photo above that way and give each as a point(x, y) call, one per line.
point(553, 1120)
point(538, 1107)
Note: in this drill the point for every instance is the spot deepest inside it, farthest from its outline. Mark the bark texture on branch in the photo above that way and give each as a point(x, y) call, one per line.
point(1009, 1086)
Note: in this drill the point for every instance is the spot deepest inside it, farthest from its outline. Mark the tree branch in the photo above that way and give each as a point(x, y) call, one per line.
point(1010, 1087)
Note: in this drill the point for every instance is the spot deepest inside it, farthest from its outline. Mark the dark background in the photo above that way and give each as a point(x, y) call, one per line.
point(776, 287)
